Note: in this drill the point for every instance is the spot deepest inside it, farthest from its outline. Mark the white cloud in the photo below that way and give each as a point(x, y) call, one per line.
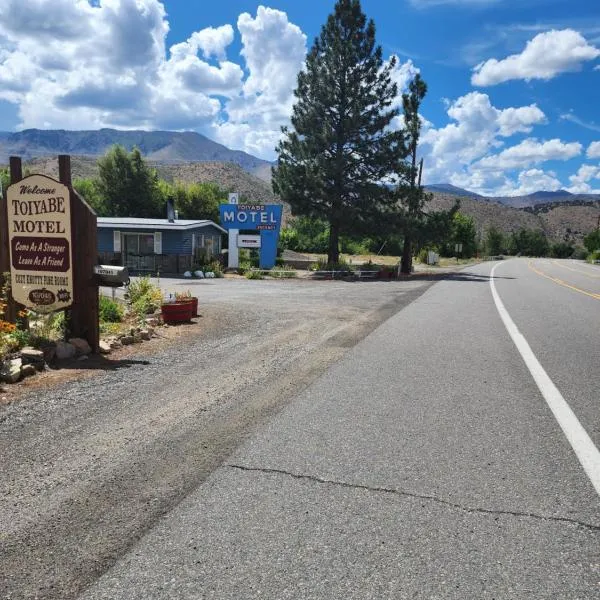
point(403, 73)
point(478, 127)
point(544, 57)
point(570, 116)
point(580, 181)
point(214, 40)
point(535, 180)
point(530, 152)
point(593, 150)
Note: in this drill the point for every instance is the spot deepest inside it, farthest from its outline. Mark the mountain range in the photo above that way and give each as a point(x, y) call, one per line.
point(157, 146)
point(530, 200)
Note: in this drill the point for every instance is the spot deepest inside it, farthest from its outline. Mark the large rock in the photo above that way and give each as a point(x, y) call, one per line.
point(127, 340)
point(10, 372)
point(65, 350)
point(81, 345)
point(49, 352)
point(32, 356)
point(104, 347)
point(28, 370)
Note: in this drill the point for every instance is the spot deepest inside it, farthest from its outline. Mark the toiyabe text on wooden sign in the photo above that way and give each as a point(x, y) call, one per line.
point(39, 232)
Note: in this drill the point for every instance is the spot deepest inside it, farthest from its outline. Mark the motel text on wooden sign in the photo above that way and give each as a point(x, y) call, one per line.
point(40, 243)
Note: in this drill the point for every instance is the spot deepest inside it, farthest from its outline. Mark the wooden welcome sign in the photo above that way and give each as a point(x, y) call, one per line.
point(49, 246)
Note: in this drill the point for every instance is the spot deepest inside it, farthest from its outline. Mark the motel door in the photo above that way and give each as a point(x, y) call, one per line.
point(138, 251)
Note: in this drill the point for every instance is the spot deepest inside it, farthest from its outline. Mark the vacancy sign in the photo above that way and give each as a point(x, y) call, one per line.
point(39, 232)
point(248, 241)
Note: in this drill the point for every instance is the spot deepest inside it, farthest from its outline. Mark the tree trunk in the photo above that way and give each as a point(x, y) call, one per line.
point(406, 264)
point(333, 254)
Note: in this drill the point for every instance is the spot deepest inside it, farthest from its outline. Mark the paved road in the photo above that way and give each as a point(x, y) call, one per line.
point(426, 463)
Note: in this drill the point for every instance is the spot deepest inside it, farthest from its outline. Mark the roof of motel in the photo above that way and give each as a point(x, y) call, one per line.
point(164, 224)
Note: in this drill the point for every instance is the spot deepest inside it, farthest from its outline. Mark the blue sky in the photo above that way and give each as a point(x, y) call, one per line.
point(514, 85)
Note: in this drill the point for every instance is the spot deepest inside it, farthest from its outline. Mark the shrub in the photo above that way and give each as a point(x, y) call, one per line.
point(143, 297)
point(252, 274)
point(594, 256)
point(561, 250)
point(110, 311)
point(282, 273)
point(579, 253)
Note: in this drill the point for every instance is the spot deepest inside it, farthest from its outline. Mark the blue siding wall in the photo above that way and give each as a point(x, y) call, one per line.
point(173, 242)
point(105, 240)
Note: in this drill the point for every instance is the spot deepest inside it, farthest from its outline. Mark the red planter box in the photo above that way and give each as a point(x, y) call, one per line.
point(195, 307)
point(177, 312)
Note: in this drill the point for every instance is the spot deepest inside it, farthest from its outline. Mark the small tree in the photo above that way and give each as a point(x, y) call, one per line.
point(340, 148)
point(128, 187)
point(88, 189)
point(592, 240)
point(494, 241)
point(464, 233)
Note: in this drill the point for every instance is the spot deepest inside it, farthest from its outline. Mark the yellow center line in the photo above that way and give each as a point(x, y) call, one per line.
point(563, 283)
point(559, 264)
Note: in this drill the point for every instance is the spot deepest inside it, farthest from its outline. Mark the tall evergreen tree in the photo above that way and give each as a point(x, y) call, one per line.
point(340, 149)
point(412, 195)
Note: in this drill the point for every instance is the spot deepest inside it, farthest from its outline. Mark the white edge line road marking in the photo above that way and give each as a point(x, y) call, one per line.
point(580, 441)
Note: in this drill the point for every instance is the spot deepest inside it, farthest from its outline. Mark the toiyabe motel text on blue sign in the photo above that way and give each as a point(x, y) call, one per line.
point(265, 218)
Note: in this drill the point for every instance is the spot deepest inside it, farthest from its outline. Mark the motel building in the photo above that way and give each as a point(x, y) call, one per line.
point(171, 246)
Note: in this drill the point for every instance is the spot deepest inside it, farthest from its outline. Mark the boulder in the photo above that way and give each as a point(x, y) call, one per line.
point(105, 347)
point(81, 345)
point(65, 350)
point(49, 352)
point(32, 356)
point(127, 340)
point(10, 372)
point(28, 370)
point(145, 334)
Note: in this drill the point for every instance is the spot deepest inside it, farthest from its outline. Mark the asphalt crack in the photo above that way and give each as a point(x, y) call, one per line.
point(416, 496)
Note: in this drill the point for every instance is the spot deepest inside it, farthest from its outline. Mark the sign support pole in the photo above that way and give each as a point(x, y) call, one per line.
point(16, 174)
point(233, 254)
point(83, 316)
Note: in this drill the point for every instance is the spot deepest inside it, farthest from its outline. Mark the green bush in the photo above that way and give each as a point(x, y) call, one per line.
point(282, 273)
point(594, 256)
point(143, 297)
point(252, 274)
point(341, 265)
point(110, 311)
point(422, 256)
point(579, 253)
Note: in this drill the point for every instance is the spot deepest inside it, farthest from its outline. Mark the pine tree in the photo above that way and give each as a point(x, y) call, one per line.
point(341, 147)
point(412, 195)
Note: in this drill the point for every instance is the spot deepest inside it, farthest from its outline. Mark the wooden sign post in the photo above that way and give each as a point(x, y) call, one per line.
point(49, 247)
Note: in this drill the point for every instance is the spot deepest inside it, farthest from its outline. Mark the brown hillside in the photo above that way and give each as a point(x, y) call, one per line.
point(229, 176)
point(570, 223)
point(488, 214)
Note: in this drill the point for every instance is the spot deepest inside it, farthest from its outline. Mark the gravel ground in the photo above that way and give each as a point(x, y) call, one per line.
point(90, 464)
